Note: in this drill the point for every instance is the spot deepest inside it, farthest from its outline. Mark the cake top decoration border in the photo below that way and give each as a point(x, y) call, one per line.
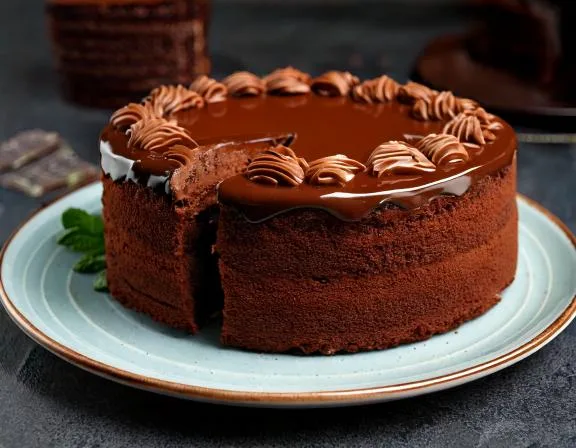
point(469, 123)
point(149, 141)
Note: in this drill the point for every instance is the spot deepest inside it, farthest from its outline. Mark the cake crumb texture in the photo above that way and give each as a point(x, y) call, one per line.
point(318, 284)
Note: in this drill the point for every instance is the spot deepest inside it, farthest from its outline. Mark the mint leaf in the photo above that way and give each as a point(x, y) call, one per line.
point(74, 217)
point(77, 241)
point(101, 283)
point(65, 235)
point(85, 233)
point(89, 264)
point(83, 221)
point(97, 225)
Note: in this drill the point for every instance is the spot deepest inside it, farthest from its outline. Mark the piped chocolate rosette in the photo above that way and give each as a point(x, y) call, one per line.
point(352, 144)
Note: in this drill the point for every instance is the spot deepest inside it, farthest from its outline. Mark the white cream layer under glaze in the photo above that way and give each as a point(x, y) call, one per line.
point(118, 167)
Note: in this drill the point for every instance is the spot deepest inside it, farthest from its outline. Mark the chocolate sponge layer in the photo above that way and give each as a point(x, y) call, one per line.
point(307, 281)
point(151, 266)
point(159, 247)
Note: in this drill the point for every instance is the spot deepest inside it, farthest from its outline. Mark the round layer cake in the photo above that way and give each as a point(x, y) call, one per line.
point(322, 215)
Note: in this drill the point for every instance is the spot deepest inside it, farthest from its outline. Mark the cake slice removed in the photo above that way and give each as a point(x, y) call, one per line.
point(159, 246)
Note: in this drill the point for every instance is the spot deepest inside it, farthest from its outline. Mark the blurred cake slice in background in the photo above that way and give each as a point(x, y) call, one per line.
point(109, 52)
point(522, 37)
point(517, 58)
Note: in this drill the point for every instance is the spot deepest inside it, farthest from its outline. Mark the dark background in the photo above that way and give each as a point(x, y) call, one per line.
point(45, 402)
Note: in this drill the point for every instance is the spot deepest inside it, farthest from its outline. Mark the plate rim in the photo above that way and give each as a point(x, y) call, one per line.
point(286, 399)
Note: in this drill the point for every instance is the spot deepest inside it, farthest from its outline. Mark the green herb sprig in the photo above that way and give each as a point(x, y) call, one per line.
point(84, 233)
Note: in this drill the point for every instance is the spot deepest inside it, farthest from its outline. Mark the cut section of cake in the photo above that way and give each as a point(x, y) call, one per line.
point(159, 245)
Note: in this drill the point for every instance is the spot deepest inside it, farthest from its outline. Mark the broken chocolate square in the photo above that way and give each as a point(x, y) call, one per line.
point(26, 147)
point(62, 168)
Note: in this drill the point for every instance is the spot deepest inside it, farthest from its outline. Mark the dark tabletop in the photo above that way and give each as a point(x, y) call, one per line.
point(46, 402)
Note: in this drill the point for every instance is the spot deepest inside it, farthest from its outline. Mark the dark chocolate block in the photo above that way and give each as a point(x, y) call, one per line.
point(26, 147)
point(60, 169)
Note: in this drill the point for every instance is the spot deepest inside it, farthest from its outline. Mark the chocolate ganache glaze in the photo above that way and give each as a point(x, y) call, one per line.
point(337, 134)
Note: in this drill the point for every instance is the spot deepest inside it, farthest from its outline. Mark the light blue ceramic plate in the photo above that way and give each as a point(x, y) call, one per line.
point(59, 310)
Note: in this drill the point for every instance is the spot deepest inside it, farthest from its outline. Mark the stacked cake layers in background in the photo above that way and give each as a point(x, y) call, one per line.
point(109, 52)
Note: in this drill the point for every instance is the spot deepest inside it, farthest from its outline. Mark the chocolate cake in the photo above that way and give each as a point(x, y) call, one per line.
point(329, 214)
point(110, 52)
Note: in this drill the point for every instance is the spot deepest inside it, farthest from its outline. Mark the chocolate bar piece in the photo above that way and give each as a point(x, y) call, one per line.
point(62, 168)
point(26, 147)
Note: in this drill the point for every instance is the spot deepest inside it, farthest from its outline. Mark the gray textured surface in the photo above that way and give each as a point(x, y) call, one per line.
point(45, 402)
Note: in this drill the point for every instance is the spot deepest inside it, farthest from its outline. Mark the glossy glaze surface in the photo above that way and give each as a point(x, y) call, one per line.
point(324, 127)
